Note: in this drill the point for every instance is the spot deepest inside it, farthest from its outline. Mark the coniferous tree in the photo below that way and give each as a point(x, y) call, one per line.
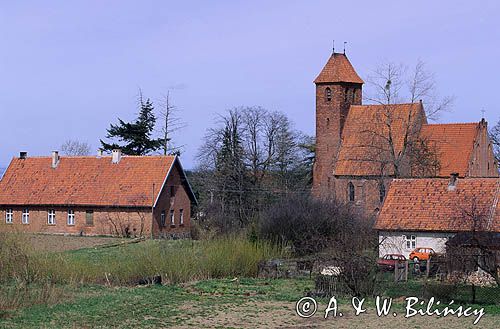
point(135, 137)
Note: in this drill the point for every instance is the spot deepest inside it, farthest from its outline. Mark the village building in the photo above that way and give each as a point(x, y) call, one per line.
point(426, 212)
point(360, 148)
point(96, 195)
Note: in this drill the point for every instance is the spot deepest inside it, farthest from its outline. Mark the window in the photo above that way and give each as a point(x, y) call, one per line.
point(346, 91)
point(9, 214)
point(353, 95)
point(328, 94)
point(71, 217)
point(350, 191)
point(172, 218)
point(411, 241)
point(181, 217)
point(162, 218)
point(381, 190)
point(51, 217)
point(26, 216)
point(172, 191)
point(89, 218)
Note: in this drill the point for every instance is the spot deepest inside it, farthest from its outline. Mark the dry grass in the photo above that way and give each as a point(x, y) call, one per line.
point(54, 243)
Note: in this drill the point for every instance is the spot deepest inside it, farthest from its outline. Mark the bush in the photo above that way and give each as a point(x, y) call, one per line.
point(330, 232)
point(308, 224)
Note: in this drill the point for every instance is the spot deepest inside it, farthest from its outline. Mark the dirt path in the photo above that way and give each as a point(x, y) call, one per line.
point(282, 315)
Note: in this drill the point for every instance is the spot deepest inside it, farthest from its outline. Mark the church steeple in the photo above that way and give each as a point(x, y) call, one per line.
point(338, 69)
point(338, 86)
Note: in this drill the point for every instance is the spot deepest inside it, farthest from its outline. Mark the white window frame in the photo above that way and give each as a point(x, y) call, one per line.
point(410, 241)
point(9, 216)
point(26, 216)
point(51, 217)
point(181, 216)
point(71, 217)
point(163, 218)
point(172, 218)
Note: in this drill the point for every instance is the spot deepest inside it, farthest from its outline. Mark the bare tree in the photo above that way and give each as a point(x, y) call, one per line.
point(171, 124)
point(478, 245)
point(392, 83)
point(250, 156)
point(392, 141)
point(495, 140)
point(123, 224)
point(74, 147)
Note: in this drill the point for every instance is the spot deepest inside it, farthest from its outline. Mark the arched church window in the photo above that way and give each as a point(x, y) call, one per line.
point(353, 95)
point(350, 191)
point(328, 94)
point(381, 190)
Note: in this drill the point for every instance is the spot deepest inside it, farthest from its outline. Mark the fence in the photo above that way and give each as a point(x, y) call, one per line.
point(424, 279)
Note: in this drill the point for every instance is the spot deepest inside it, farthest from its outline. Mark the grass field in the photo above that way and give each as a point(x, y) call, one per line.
point(231, 302)
point(54, 243)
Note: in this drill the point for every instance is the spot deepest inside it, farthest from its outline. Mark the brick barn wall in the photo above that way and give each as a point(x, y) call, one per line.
point(167, 203)
point(366, 192)
point(137, 220)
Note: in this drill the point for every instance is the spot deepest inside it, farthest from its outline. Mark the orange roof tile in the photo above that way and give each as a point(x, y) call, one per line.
point(365, 149)
point(84, 181)
point(338, 69)
point(429, 205)
point(453, 144)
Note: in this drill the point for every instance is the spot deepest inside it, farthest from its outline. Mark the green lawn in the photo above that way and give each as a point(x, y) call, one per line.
point(189, 305)
point(152, 306)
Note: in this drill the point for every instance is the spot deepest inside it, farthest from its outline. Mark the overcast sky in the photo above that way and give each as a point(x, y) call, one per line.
point(70, 68)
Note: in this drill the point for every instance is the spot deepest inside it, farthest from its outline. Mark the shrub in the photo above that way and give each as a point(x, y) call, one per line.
point(307, 223)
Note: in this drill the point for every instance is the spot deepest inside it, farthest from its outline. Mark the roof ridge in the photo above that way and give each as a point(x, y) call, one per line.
point(96, 156)
point(451, 123)
point(445, 178)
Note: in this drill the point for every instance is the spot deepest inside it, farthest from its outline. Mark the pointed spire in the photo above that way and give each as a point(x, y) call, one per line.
point(338, 69)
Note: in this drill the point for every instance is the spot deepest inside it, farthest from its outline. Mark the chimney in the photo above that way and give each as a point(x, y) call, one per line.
point(99, 153)
point(116, 156)
point(23, 155)
point(453, 181)
point(55, 159)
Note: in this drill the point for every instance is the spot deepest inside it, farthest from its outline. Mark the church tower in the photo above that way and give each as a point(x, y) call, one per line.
point(338, 86)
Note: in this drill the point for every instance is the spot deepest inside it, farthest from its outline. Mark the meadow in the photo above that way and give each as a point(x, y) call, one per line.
point(204, 284)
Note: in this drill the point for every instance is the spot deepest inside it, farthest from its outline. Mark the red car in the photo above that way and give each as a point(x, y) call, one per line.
point(389, 261)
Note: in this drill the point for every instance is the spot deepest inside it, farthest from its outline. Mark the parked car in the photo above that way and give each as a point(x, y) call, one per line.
point(388, 262)
point(422, 253)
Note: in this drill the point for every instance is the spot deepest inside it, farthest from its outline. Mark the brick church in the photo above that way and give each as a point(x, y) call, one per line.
point(361, 148)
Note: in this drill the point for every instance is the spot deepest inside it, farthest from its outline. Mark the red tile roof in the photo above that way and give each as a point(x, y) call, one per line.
point(84, 181)
point(429, 205)
point(453, 144)
point(365, 149)
point(338, 69)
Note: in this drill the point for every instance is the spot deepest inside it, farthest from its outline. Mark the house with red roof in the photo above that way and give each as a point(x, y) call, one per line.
point(426, 212)
point(361, 148)
point(96, 195)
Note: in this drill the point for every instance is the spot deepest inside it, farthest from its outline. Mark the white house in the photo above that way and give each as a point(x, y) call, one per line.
point(426, 212)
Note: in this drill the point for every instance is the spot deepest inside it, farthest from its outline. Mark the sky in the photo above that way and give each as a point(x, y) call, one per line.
point(70, 68)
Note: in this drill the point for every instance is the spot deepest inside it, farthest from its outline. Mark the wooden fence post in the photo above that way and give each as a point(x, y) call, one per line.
point(406, 270)
point(428, 267)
